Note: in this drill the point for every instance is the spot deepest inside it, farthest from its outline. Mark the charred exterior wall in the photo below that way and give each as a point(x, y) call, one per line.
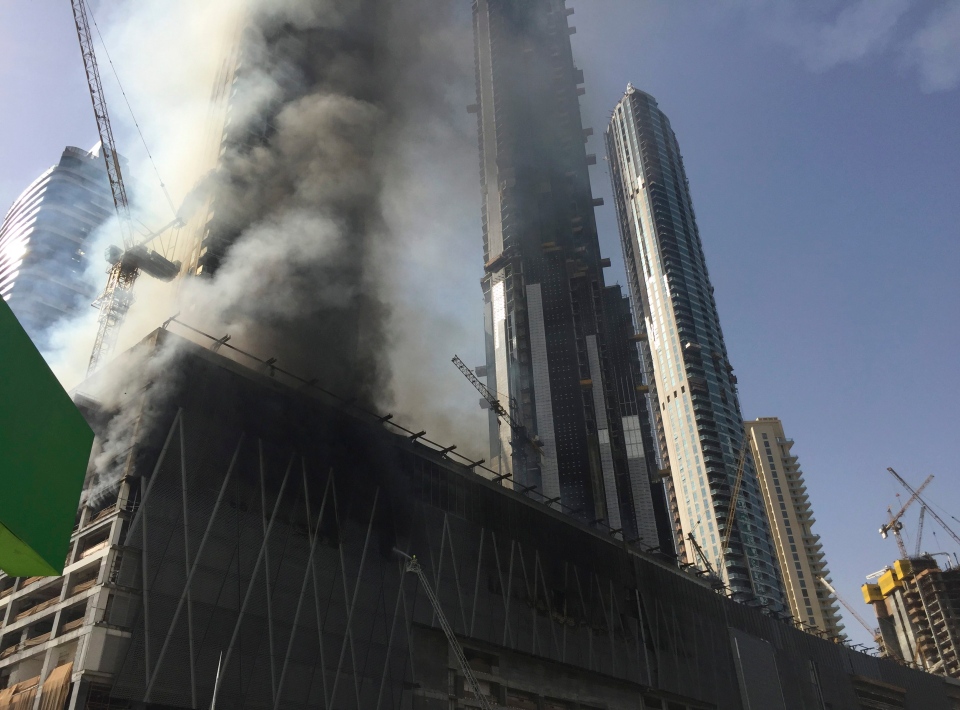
point(264, 542)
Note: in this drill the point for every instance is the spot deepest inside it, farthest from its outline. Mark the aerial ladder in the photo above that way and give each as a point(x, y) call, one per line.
point(412, 566)
point(930, 510)
point(894, 525)
point(126, 263)
point(520, 432)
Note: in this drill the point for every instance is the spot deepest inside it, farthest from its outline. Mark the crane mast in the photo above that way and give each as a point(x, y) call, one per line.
point(916, 552)
point(732, 509)
point(97, 97)
point(117, 297)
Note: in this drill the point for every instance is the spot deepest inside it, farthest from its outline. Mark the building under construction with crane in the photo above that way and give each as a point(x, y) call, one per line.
point(259, 547)
point(917, 602)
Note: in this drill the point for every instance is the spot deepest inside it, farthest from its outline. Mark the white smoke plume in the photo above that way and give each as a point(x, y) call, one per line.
point(346, 196)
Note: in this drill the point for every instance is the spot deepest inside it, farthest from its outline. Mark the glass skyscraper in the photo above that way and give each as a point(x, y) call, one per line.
point(44, 241)
point(699, 426)
point(559, 341)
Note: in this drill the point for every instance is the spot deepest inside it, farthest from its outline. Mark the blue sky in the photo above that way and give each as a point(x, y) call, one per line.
point(821, 144)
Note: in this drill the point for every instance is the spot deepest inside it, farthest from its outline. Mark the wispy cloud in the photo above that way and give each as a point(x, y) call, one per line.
point(826, 34)
point(935, 49)
point(860, 30)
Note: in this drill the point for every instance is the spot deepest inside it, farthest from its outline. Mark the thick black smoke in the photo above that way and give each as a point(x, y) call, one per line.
point(326, 91)
point(333, 102)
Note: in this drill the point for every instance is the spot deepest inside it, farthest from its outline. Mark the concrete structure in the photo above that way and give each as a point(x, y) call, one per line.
point(802, 561)
point(699, 423)
point(44, 241)
point(918, 609)
point(254, 529)
point(556, 348)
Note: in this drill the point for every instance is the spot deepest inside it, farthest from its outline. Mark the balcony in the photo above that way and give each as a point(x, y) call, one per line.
point(37, 608)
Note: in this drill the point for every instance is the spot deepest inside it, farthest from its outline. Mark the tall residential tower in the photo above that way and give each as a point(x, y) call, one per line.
point(802, 561)
point(558, 349)
point(699, 425)
point(44, 241)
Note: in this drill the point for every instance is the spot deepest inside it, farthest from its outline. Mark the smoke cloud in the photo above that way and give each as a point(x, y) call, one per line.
point(342, 206)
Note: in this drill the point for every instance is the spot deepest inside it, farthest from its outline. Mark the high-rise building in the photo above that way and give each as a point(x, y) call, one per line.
point(918, 611)
point(44, 241)
point(555, 347)
point(699, 425)
point(802, 561)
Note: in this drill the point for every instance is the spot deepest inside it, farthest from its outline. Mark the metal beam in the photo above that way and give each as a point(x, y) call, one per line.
point(192, 570)
point(256, 567)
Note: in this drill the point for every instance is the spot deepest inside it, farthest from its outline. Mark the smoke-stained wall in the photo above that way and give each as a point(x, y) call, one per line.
point(264, 541)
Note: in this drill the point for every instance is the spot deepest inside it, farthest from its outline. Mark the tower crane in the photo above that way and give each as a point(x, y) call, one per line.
point(126, 263)
point(412, 566)
point(916, 550)
point(734, 495)
point(519, 430)
point(930, 510)
point(894, 525)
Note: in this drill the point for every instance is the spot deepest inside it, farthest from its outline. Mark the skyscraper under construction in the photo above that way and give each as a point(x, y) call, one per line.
point(558, 339)
point(699, 423)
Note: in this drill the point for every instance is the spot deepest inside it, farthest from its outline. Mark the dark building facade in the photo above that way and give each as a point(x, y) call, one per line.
point(700, 427)
point(254, 533)
point(44, 241)
point(557, 348)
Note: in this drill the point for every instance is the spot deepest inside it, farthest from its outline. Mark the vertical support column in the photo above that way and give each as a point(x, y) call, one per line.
point(603, 436)
point(48, 664)
point(186, 563)
point(266, 573)
point(498, 300)
point(78, 696)
point(550, 473)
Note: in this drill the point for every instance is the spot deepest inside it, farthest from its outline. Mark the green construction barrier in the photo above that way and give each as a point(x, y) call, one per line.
point(44, 449)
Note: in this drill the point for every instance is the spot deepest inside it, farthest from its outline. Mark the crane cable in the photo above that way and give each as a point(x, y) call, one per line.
point(136, 123)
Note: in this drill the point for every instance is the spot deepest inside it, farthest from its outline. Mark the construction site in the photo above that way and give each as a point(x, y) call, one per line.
point(916, 599)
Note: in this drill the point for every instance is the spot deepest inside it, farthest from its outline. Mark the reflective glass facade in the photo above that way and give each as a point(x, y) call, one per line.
point(559, 340)
point(43, 241)
point(699, 425)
